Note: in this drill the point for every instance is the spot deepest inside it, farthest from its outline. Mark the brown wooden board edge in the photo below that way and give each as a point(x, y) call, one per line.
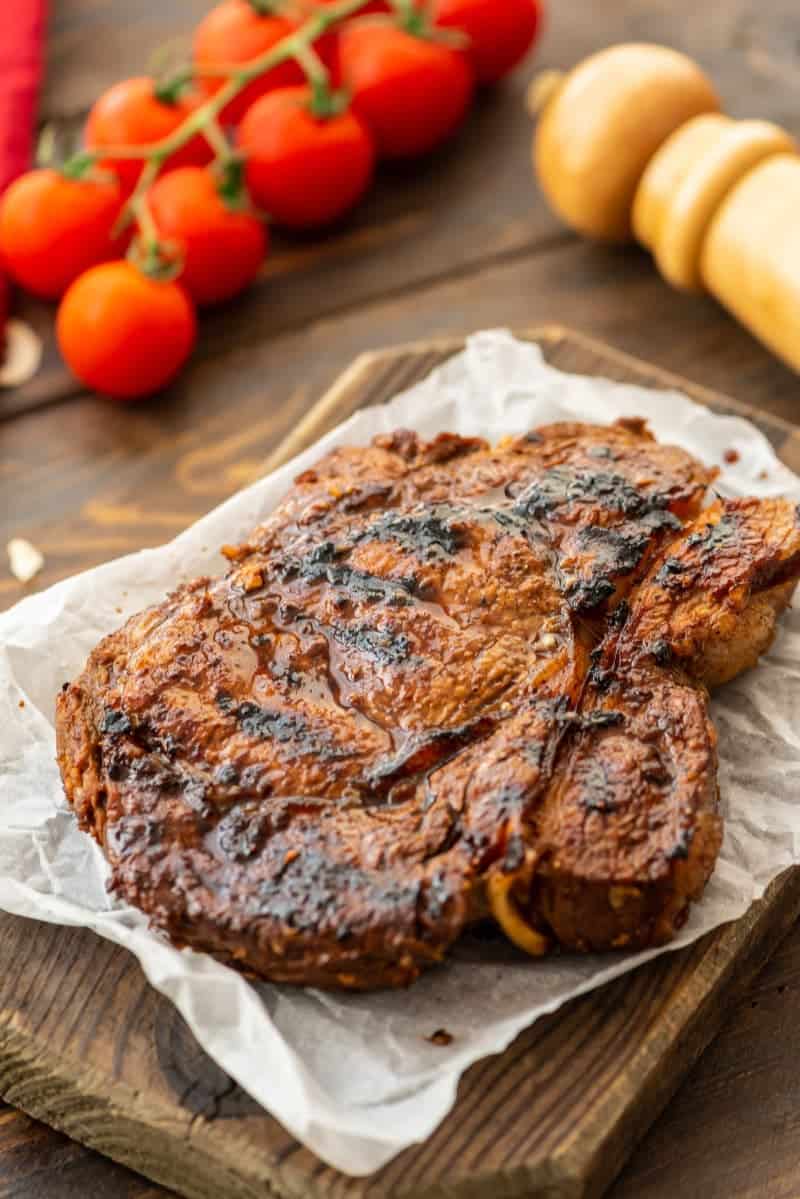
point(202, 1159)
point(340, 400)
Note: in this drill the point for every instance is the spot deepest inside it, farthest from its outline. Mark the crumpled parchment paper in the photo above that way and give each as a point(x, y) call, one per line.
point(353, 1076)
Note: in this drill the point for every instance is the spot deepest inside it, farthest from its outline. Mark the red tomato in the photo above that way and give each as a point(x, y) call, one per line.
point(222, 247)
point(53, 228)
point(412, 93)
point(122, 333)
point(500, 31)
point(233, 33)
point(305, 171)
point(129, 114)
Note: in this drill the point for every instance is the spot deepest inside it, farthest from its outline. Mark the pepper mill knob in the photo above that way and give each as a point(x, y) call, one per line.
point(603, 123)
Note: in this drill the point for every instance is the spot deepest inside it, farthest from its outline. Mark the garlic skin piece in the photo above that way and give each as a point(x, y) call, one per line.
point(602, 126)
point(24, 559)
point(750, 259)
point(686, 181)
point(21, 355)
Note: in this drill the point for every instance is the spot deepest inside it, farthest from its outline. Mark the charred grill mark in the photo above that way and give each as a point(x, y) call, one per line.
point(534, 752)
point(680, 849)
point(322, 565)
point(431, 534)
point(588, 594)
point(602, 451)
point(307, 893)
point(714, 537)
point(437, 895)
point(246, 827)
point(285, 674)
point(287, 728)
point(619, 550)
point(116, 768)
point(149, 769)
point(661, 651)
point(381, 645)
point(619, 615)
point(560, 486)
point(515, 853)
point(597, 792)
point(226, 775)
point(115, 722)
point(279, 726)
point(240, 835)
point(511, 800)
point(508, 519)
point(668, 575)
point(129, 834)
point(600, 678)
point(194, 792)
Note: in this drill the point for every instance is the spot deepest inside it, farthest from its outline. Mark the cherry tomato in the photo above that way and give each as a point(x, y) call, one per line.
point(222, 246)
point(412, 93)
point(234, 32)
point(52, 228)
point(500, 31)
point(304, 170)
point(130, 114)
point(122, 333)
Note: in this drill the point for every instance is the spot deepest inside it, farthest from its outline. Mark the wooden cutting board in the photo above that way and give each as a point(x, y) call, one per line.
point(89, 1047)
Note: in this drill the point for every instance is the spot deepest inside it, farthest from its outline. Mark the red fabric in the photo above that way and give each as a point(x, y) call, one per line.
point(22, 28)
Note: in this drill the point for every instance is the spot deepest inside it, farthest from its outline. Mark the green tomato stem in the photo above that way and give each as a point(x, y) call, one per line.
point(237, 77)
point(217, 140)
point(298, 46)
point(314, 68)
point(135, 207)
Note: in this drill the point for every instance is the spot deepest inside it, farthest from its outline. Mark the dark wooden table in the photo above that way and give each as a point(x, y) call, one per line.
point(461, 243)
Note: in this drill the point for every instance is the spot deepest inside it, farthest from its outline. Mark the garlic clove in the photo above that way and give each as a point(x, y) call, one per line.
point(23, 354)
point(24, 559)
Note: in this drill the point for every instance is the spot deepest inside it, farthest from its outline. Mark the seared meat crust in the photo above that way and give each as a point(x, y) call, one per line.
point(441, 680)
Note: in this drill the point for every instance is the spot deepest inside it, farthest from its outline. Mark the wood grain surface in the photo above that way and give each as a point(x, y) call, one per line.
point(462, 242)
point(86, 1045)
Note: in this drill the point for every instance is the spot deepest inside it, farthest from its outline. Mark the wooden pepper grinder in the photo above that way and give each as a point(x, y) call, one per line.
point(631, 143)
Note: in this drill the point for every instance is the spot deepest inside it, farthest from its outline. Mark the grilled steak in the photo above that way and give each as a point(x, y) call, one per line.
point(442, 681)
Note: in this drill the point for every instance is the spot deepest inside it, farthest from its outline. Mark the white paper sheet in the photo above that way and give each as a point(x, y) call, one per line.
point(354, 1076)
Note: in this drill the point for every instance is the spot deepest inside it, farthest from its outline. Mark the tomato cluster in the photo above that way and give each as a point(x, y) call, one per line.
point(182, 176)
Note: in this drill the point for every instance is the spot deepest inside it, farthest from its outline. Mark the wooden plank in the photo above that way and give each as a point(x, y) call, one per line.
point(472, 205)
point(86, 1045)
